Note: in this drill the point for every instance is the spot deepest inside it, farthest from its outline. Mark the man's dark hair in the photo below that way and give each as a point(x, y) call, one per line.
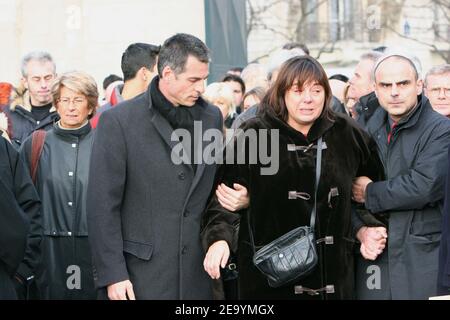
point(110, 79)
point(176, 50)
point(136, 56)
point(292, 45)
point(235, 78)
point(339, 77)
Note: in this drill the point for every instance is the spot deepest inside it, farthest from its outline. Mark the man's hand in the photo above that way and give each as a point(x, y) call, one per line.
point(121, 291)
point(359, 188)
point(233, 199)
point(373, 241)
point(216, 257)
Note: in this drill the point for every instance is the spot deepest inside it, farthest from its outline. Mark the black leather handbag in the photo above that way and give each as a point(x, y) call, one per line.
point(293, 255)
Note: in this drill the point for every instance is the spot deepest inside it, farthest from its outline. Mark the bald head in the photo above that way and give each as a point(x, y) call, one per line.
point(397, 86)
point(412, 61)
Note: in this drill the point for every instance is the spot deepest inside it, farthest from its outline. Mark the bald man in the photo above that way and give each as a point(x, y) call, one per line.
point(412, 142)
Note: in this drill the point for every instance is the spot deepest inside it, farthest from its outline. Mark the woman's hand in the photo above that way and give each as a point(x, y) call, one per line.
point(216, 257)
point(233, 199)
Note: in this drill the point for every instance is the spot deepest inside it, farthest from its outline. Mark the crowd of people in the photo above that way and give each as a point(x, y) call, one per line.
point(96, 203)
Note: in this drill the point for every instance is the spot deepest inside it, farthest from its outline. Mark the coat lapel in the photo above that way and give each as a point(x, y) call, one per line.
point(208, 121)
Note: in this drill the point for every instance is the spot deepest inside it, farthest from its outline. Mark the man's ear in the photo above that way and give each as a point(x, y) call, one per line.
point(143, 73)
point(167, 73)
point(419, 86)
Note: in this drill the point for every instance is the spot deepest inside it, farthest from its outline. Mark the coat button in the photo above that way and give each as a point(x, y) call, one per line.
point(70, 174)
point(183, 250)
point(186, 213)
point(181, 176)
point(70, 204)
point(74, 145)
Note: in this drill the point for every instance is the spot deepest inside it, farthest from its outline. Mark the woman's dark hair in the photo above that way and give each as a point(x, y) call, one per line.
point(296, 71)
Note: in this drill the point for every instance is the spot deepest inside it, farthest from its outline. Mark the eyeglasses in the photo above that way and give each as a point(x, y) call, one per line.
point(437, 91)
point(76, 101)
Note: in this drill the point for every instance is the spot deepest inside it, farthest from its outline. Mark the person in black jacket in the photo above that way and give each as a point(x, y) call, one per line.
point(18, 203)
point(32, 108)
point(361, 88)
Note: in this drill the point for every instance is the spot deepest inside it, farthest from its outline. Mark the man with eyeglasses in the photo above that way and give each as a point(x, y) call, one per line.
point(32, 108)
point(437, 88)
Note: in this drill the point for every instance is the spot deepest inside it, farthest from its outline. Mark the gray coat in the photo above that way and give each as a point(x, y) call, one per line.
point(143, 210)
point(415, 165)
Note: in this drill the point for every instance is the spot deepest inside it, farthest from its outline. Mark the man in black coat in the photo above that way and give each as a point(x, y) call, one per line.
point(18, 203)
point(412, 143)
point(145, 200)
point(361, 88)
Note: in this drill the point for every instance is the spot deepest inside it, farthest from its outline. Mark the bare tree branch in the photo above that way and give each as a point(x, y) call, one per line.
point(444, 54)
point(324, 49)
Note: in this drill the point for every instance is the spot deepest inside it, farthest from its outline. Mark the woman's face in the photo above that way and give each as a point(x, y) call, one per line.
point(73, 109)
point(304, 105)
point(249, 101)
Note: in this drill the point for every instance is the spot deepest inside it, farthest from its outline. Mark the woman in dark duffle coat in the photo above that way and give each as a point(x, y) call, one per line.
point(297, 105)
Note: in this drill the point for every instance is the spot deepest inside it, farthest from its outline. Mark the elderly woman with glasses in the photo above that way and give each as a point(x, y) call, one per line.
point(61, 179)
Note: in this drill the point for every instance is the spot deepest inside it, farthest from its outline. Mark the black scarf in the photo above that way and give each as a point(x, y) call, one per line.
point(178, 117)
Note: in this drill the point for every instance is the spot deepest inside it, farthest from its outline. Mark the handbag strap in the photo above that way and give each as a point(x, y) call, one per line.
point(37, 145)
point(316, 187)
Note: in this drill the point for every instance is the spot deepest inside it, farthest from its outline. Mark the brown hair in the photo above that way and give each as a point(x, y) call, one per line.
point(296, 71)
